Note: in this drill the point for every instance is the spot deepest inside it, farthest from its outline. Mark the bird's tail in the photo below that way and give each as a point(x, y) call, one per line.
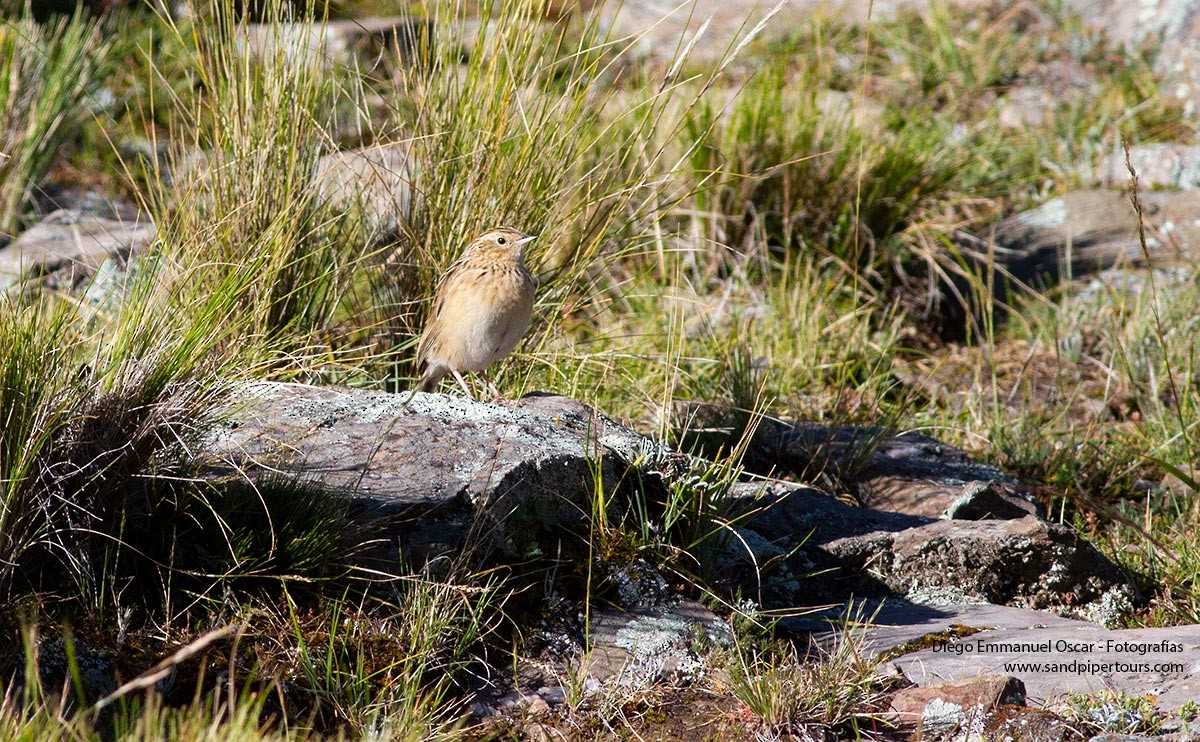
point(430, 379)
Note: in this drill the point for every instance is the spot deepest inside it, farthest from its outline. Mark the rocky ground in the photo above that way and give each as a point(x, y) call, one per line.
point(990, 619)
point(949, 570)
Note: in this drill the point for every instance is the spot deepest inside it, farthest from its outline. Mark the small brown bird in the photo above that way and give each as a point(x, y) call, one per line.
point(480, 311)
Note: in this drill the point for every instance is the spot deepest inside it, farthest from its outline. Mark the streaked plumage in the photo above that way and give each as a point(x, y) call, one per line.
point(481, 309)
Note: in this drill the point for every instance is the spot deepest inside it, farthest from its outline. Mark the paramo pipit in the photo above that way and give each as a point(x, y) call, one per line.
point(481, 309)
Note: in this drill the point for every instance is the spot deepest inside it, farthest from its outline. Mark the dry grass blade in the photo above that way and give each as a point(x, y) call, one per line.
point(161, 670)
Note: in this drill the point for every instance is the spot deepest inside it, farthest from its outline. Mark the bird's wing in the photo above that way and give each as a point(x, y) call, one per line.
point(449, 277)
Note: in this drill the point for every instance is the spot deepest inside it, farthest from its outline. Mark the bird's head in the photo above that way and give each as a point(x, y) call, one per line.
point(505, 239)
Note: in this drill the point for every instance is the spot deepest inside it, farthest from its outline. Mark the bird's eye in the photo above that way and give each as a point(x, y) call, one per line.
point(500, 240)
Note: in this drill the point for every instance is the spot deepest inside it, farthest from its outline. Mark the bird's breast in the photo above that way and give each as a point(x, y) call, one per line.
point(488, 320)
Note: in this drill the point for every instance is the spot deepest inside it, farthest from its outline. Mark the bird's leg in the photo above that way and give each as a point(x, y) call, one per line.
point(491, 387)
point(463, 383)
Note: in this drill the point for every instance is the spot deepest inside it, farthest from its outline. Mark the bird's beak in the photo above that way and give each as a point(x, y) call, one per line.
point(527, 239)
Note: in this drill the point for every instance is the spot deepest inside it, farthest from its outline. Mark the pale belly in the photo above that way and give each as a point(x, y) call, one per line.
point(492, 336)
point(486, 330)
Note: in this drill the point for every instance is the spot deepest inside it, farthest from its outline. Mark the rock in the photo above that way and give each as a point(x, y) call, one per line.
point(372, 35)
point(1025, 107)
point(1130, 283)
point(1025, 562)
point(1184, 487)
point(1043, 89)
point(51, 197)
point(537, 707)
point(1085, 232)
point(536, 732)
point(66, 248)
point(862, 552)
point(377, 180)
point(991, 500)
point(638, 648)
point(659, 27)
point(636, 584)
point(952, 702)
point(840, 108)
point(1017, 723)
point(928, 645)
point(294, 43)
point(63, 660)
point(903, 472)
point(514, 474)
point(1056, 661)
point(1169, 27)
point(1157, 166)
point(895, 626)
point(336, 42)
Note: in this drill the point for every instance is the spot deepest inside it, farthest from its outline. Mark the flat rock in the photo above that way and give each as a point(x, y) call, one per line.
point(1160, 165)
point(863, 552)
point(66, 248)
point(658, 28)
point(510, 472)
point(649, 645)
point(1085, 232)
point(895, 626)
point(931, 644)
point(898, 472)
point(913, 473)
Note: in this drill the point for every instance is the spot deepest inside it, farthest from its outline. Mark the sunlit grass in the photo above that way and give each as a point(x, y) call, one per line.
point(48, 77)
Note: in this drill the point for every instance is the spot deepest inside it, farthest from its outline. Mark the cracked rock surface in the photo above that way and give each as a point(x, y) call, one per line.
point(503, 474)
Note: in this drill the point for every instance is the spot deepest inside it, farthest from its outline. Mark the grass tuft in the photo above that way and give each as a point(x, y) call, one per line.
point(49, 74)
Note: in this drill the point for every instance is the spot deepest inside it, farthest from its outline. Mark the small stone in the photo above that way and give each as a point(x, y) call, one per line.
point(638, 585)
point(1024, 107)
point(968, 695)
point(536, 706)
point(69, 245)
point(536, 732)
point(990, 500)
point(639, 648)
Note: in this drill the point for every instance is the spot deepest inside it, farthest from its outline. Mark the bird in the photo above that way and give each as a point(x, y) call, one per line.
point(481, 308)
